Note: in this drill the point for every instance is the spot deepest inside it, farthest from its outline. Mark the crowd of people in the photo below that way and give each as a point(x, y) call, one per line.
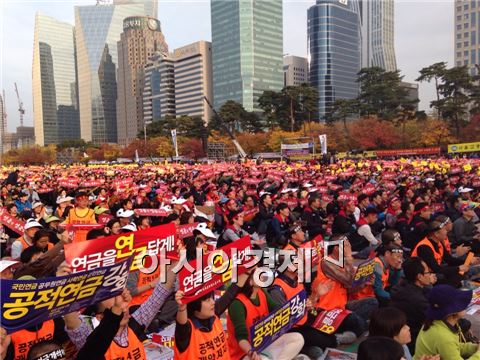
point(416, 218)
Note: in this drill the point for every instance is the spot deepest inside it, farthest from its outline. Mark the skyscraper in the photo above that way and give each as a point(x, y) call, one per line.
point(140, 40)
point(151, 6)
point(54, 80)
point(247, 48)
point(3, 123)
point(377, 33)
point(467, 40)
point(193, 79)
point(295, 70)
point(333, 51)
point(98, 30)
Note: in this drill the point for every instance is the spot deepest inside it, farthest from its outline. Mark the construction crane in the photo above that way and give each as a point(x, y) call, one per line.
point(239, 148)
point(21, 110)
point(4, 120)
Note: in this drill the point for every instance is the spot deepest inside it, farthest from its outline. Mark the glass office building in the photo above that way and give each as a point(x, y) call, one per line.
point(467, 34)
point(333, 51)
point(54, 82)
point(247, 50)
point(98, 30)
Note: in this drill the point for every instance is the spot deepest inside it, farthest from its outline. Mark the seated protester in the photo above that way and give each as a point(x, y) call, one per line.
point(419, 225)
point(391, 322)
point(81, 214)
point(265, 213)
point(31, 254)
point(198, 242)
point(52, 223)
point(95, 234)
point(285, 286)
point(198, 322)
point(391, 236)
point(363, 203)
point(251, 304)
point(97, 342)
point(314, 217)
point(410, 295)
point(363, 239)
point(124, 216)
point(112, 227)
point(26, 240)
point(403, 220)
point(344, 221)
point(441, 332)
point(452, 207)
point(439, 261)
point(331, 286)
point(388, 270)
point(278, 227)
point(380, 348)
point(393, 212)
point(41, 240)
point(141, 285)
point(464, 231)
point(127, 342)
point(234, 230)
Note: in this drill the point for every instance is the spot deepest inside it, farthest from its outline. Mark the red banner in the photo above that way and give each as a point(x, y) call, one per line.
point(87, 255)
point(184, 231)
point(252, 181)
point(104, 218)
point(45, 190)
point(92, 183)
point(249, 214)
point(151, 212)
point(121, 183)
point(71, 183)
point(329, 321)
point(11, 222)
point(343, 196)
point(197, 282)
point(404, 152)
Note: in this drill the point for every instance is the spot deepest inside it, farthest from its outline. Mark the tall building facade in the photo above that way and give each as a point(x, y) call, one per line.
point(333, 51)
point(295, 70)
point(247, 50)
point(193, 80)
point(98, 30)
point(54, 82)
point(140, 40)
point(159, 90)
point(467, 34)
point(377, 33)
point(151, 6)
point(3, 123)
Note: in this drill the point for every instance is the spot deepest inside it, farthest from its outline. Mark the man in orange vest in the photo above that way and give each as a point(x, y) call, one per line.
point(81, 214)
point(26, 240)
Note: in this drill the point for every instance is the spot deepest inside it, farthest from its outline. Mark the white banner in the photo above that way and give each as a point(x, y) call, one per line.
point(296, 146)
point(174, 140)
point(323, 144)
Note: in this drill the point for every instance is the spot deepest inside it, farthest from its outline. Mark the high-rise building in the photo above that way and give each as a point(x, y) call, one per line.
point(247, 50)
point(295, 70)
point(3, 123)
point(467, 34)
point(151, 6)
point(98, 29)
point(377, 33)
point(193, 79)
point(140, 40)
point(54, 81)
point(333, 51)
point(159, 90)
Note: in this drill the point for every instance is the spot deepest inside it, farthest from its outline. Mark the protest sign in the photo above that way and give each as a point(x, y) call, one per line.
point(151, 212)
point(214, 269)
point(364, 274)
point(249, 214)
point(329, 321)
point(11, 222)
point(270, 328)
point(91, 183)
point(103, 219)
point(26, 303)
point(45, 190)
point(68, 183)
point(184, 231)
point(335, 354)
point(87, 255)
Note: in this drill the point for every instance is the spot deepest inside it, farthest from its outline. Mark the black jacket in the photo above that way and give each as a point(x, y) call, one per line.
point(314, 221)
point(412, 300)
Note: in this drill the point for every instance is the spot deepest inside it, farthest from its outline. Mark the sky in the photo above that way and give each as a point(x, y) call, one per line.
point(424, 34)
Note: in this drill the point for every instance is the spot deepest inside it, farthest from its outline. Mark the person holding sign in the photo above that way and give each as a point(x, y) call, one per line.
point(252, 304)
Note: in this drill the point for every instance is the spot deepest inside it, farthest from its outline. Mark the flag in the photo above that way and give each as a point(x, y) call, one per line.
point(137, 159)
point(174, 140)
point(323, 143)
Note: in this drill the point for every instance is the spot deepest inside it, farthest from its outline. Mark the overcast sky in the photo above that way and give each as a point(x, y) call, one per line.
point(423, 36)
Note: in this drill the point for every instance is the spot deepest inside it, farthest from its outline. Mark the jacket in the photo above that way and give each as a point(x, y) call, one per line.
point(440, 339)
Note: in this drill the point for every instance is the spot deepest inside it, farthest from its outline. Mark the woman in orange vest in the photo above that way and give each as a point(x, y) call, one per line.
point(81, 214)
point(141, 286)
point(41, 240)
point(432, 250)
point(251, 305)
point(198, 332)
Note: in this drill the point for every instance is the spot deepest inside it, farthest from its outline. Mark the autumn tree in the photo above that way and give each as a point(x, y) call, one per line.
point(370, 133)
point(433, 72)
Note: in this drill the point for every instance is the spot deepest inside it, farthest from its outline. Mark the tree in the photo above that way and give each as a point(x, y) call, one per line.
point(469, 133)
point(192, 148)
point(72, 143)
point(271, 103)
point(309, 101)
point(370, 133)
point(341, 110)
point(435, 132)
point(235, 118)
point(434, 71)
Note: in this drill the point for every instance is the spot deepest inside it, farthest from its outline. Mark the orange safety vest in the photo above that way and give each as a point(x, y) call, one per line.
point(23, 340)
point(144, 279)
point(73, 218)
point(438, 255)
point(205, 345)
point(134, 350)
point(367, 291)
point(336, 298)
point(253, 314)
point(23, 242)
point(290, 292)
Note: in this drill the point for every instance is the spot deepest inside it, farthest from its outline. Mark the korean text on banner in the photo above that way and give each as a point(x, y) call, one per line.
point(26, 303)
point(206, 278)
point(11, 222)
point(270, 328)
point(364, 274)
point(89, 255)
point(329, 321)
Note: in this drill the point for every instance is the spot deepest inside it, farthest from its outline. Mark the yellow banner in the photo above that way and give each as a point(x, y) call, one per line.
point(464, 147)
point(364, 154)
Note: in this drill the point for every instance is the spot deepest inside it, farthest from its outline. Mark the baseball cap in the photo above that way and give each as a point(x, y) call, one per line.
point(52, 218)
point(32, 223)
point(121, 213)
point(466, 206)
point(64, 199)
point(5, 264)
point(463, 190)
point(130, 227)
point(203, 228)
point(178, 201)
point(36, 204)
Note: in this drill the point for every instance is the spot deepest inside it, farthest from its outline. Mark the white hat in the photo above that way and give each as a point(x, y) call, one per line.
point(130, 227)
point(124, 213)
point(463, 190)
point(178, 201)
point(5, 264)
point(264, 193)
point(202, 227)
point(36, 204)
point(287, 190)
point(312, 190)
point(307, 185)
point(62, 199)
point(429, 179)
point(167, 208)
point(32, 223)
